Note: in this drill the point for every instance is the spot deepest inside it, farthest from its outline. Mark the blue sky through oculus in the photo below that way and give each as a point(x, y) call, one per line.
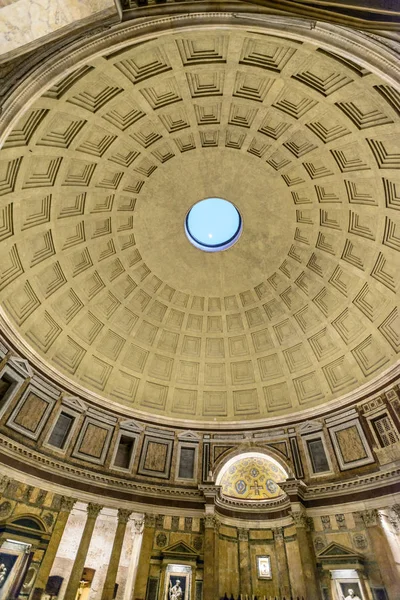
point(213, 222)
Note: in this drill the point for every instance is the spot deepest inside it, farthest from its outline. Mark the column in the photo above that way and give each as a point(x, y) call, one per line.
point(145, 556)
point(383, 553)
point(306, 554)
point(134, 560)
point(244, 562)
point(52, 547)
point(210, 577)
point(93, 511)
point(284, 582)
point(111, 577)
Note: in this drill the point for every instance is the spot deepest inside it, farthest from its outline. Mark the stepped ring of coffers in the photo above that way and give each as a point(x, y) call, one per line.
point(97, 276)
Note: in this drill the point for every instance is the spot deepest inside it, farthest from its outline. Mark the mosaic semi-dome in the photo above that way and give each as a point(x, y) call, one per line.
point(99, 280)
point(252, 478)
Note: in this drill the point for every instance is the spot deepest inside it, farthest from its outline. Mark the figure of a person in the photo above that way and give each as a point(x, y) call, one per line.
point(175, 592)
point(351, 595)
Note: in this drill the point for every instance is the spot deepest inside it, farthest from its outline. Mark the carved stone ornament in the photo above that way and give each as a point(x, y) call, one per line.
point(319, 544)
point(278, 533)
point(370, 517)
point(48, 518)
point(396, 510)
point(161, 540)
point(341, 521)
point(93, 510)
point(160, 521)
point(326, 522)
point(5, 509)
point(4, 481)
point(138, 524)
point(211, 522)
point(300, 519)
point(123, 515)
point(360, 541)
point(67, 504)
point(149, 520)
point(198, 543)
point(243, 534)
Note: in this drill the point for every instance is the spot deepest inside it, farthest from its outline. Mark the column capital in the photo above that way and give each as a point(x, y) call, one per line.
point(93, 510)
point(278, 533)
point(243, 534)
point(149, 520)
point(211, 522)
point(66, 504)
point(300, 518)
point(370, 517)
point(123, 515)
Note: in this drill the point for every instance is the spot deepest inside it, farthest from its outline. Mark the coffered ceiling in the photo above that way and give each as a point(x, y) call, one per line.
point(99, 279)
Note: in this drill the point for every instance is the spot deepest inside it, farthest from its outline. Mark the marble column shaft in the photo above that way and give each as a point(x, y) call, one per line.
point(210, 578)
point(93, 511)
point(383, 553)
point(145, 556)
point(307, 555)
point(111, 577)
point(52, 547)
point(244, 562)
point(284, 582)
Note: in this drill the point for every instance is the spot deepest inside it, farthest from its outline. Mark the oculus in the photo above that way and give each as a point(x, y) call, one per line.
point(213, 224)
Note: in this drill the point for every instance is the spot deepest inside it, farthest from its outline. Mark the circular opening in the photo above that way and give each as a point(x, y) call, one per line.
point(213, 224)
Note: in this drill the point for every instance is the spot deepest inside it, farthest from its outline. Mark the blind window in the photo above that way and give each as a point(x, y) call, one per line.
point(61, 430)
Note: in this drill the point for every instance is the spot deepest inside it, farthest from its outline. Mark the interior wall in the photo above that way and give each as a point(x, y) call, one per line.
point(25, 21)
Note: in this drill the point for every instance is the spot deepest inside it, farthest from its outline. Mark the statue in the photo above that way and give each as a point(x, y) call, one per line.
point(3, 573)
point(351, 595)
point(175, 592)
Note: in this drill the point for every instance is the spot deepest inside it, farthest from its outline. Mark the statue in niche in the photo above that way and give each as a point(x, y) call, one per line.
point(175, 591)
point(351, 595)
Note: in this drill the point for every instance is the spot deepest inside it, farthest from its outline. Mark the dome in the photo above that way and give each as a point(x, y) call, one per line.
point(102, 288)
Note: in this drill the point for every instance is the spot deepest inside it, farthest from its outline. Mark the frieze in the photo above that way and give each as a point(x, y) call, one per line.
point(149, 520)
point(28, 454)
point(371, 517)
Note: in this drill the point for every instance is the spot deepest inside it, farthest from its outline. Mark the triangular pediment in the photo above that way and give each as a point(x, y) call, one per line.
point(180, 548)
point(309, 427)
point(22, 366)
point(131, 425)
point(335, 551)
point(75, 403)
point(189, 436)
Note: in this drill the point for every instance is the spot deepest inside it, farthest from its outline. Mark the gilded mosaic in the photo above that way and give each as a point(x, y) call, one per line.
point(252, 479)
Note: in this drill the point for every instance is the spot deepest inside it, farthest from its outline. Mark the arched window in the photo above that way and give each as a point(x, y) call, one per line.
point(29, 523)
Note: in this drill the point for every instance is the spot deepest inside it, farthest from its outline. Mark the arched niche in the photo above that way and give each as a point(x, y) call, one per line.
point(251, 475)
